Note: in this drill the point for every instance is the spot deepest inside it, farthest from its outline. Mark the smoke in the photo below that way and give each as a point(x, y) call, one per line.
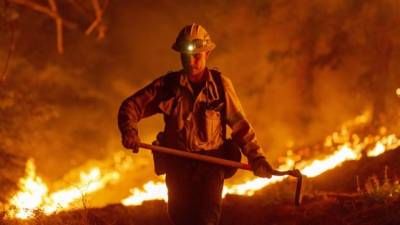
point(300, 68)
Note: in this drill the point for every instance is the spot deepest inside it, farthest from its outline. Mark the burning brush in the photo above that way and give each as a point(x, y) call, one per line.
point(345, 145)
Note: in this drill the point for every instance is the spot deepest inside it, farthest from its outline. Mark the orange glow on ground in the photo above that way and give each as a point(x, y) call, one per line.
point(34, 195)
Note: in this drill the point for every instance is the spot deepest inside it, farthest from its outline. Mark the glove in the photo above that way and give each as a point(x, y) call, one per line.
point(295, 173)
point(131, 140)
point(261, 167)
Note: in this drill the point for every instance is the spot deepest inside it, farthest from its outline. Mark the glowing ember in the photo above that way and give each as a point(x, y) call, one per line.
point(398, 92)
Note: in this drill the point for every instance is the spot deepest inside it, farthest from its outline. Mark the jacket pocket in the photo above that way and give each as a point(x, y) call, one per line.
point(212, 124)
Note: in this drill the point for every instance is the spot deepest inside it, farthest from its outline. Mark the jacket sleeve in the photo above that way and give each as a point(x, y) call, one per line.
point(242, 132)
point(141, 104)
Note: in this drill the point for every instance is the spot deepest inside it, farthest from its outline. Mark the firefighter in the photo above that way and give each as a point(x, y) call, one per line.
point(197, 103)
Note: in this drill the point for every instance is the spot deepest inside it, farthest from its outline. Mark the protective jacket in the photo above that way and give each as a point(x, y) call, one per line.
point(192, 123)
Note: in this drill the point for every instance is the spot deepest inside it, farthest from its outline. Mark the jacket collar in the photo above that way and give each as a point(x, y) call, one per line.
point(184, 80)
point(210, 83)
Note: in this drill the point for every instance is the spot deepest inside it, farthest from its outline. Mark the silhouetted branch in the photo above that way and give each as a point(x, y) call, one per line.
point(81, 8)
point(11, 46)
point(97, 23)
point(37, 7)
point(59, 27)
point(54, 12)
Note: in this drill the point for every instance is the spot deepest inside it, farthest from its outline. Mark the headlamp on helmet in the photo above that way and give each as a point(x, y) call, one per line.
point(195, 44)
point(193, 39)
point(190, 47)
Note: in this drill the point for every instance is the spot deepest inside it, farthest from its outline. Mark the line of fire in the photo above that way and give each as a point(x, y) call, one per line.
point(92, 93)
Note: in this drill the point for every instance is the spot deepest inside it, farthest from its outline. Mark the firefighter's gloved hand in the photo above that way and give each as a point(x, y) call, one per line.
point(131, 140)
point(261, 167)
point(295, 173)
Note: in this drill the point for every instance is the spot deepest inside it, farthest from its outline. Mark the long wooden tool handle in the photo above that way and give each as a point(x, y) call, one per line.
point(212, 159)
point(298, 195)
point(205, 158)
point(224, 162)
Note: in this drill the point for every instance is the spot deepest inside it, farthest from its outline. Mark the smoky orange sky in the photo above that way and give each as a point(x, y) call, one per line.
point(301, 68)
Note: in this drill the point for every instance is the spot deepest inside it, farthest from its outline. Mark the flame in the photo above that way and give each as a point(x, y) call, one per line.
point(29, 200)
point(152, 191)
point(349, 148)
point(35, 197)
point(343, 146)
point(89, 183)
point(319, 166)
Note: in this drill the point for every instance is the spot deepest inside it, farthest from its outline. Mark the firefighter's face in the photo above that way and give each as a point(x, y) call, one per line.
point(194, 64)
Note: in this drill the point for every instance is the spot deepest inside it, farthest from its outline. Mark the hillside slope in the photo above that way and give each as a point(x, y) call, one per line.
point(329, 199)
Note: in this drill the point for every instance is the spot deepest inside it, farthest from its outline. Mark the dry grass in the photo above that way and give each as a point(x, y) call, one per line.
point(275, 206)
point(382, 190)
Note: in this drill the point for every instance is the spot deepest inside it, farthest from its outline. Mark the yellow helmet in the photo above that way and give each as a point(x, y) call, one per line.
point(193, 39)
